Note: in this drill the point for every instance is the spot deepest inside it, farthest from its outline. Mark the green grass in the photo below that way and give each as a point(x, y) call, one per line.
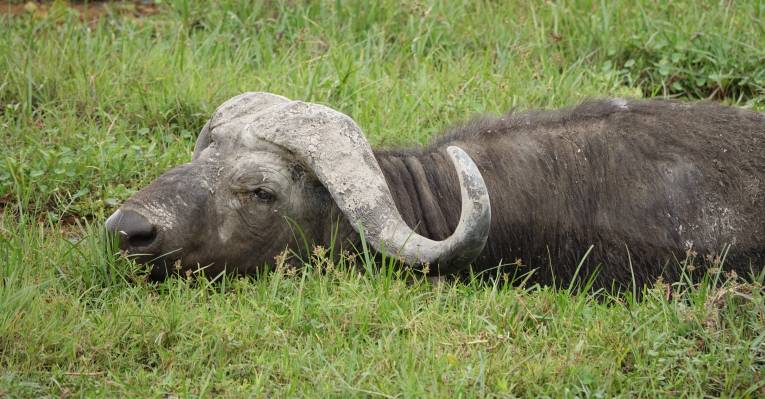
point(91, 112)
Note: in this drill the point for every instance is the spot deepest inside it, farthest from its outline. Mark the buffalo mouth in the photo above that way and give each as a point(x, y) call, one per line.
point(160, 268)
point(159, 273)
point(157, 268)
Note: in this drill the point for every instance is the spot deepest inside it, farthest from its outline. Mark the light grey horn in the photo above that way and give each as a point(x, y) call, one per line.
point(242, 107)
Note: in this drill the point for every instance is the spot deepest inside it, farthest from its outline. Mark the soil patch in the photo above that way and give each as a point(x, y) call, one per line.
point(87, 10)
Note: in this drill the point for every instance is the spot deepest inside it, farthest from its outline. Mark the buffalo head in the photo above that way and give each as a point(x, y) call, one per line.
point(262, 164)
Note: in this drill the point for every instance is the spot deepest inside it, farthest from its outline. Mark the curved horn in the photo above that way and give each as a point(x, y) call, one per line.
point(203, 141)
point(333, 146)
point(245, 105)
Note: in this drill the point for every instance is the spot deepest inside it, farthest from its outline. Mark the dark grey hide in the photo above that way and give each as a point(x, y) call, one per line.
point(643, 182)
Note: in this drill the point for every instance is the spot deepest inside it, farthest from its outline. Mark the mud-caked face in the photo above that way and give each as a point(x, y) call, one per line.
point(234, 213)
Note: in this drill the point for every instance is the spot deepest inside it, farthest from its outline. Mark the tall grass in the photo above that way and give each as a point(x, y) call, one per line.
point(90, 111)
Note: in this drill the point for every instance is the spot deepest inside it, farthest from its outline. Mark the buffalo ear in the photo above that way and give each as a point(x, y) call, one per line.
point(203, 140)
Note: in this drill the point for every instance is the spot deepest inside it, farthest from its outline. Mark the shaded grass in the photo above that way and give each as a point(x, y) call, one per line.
point(92, 111)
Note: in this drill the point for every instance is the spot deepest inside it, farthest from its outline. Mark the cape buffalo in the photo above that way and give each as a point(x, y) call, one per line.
point(626, 189)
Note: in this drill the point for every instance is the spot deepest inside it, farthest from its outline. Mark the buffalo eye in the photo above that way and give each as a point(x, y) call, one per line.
point(262, 195)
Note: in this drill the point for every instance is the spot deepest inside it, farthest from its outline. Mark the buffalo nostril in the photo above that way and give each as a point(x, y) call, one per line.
point(134, 229)
point(143, 238)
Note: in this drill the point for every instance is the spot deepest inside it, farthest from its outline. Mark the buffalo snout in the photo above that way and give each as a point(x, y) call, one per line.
point(134, 230)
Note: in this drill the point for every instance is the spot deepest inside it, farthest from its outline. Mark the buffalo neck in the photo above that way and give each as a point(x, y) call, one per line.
point(425, 190)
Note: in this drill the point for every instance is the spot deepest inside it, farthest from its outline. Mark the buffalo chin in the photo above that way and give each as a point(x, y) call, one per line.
point(161, 269)
point(159, 273)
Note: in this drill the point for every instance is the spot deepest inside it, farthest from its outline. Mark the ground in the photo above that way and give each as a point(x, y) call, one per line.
point(97, 99)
